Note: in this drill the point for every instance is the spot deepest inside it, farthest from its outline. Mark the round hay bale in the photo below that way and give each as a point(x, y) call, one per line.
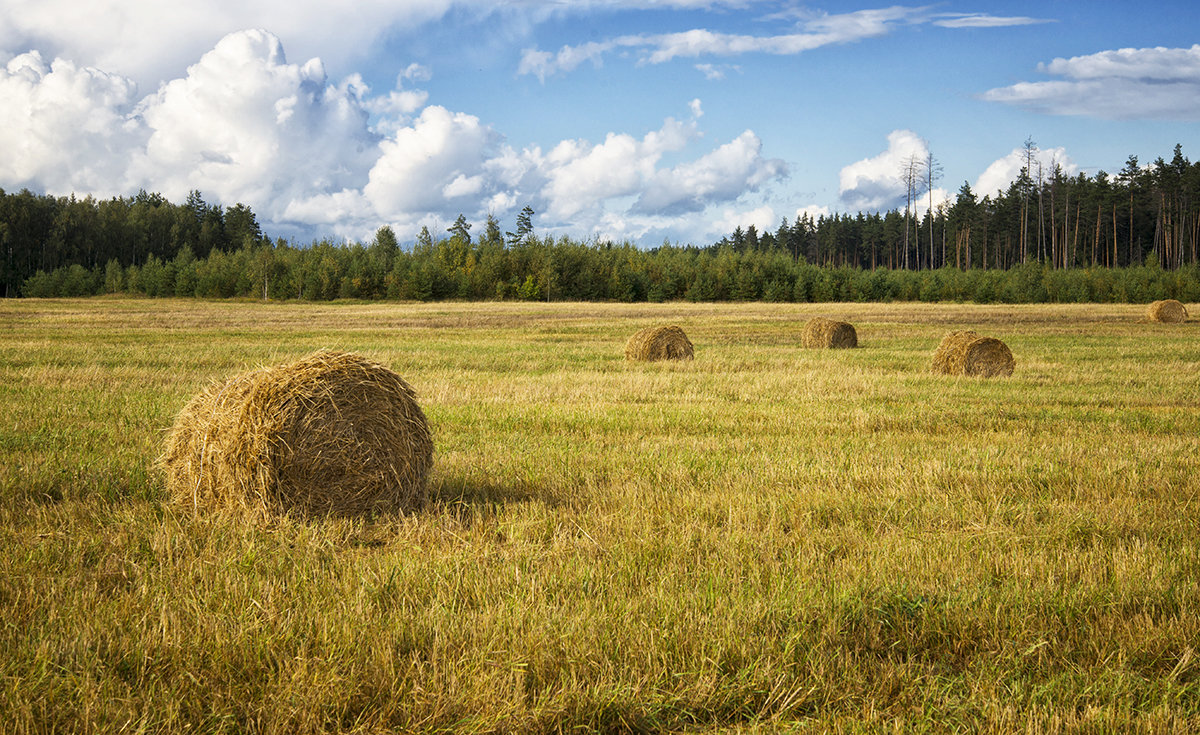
point(966, 352)
point(333, 433)
point(1168, 310)
point(659, 343)
point(824, 333)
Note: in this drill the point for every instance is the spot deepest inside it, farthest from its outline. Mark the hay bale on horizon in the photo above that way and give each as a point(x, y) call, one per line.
point(1168, 311)
point(332, 433)
point(659, 343)
point(822, 333)
point(966, 352)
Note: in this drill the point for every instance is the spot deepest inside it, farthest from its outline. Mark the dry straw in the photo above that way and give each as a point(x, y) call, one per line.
point(1168, 310)
point(659, 343)
point(968, 353)
point(824, 333)
point(333, 433)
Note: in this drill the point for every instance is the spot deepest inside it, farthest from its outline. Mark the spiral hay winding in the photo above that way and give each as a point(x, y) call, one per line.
point(1168, 311)
point(333, 433)
point(822, 333)
point(659, 343)
point(968, 353)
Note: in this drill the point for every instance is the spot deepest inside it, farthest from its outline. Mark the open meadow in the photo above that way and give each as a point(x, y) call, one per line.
point(765, 538)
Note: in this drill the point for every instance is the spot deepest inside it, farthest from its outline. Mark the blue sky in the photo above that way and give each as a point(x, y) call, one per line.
point(627, 119)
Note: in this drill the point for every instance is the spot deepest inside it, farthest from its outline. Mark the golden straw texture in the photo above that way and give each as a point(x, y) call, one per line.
point(333, 433)
point(966, 352)
point(1167, 310)
point(823, 333)
point(659, 343)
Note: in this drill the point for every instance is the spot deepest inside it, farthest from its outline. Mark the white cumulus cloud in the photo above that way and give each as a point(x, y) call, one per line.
point(142, 39)
point(246, 125)
point(426, 167)
point(762, 218)
point(722, 175)
point(64, 128)
point(1003, 171)
point(877, 183)
point(1123, 84)
point(314, 155)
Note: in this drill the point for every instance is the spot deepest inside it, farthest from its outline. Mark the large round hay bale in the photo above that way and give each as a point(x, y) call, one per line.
point(659, 343)
point(824, 333)
point(333, 433)
point(1167, 310)
point(966, 352)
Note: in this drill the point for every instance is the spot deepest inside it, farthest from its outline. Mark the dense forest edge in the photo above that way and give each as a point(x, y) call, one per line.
point(1049, 237)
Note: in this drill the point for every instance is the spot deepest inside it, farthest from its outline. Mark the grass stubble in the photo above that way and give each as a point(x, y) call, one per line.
point(766, 538)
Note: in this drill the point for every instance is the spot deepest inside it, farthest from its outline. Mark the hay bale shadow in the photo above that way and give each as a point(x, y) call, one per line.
point(473, 491)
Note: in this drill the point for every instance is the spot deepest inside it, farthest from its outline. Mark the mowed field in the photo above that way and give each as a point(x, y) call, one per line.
point(766, 538)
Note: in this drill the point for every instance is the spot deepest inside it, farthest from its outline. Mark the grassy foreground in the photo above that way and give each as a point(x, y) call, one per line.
point(764, 539)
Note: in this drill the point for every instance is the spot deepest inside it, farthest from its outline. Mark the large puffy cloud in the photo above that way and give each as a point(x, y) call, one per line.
point(722, 175)
point(1125, 84)
point(433, 165)
point(248, 126)
point(878, 183)
point(141, 38)
point(1003, 171)
point(762, 218)
point(450, 162)
point(580, 175)
point(65, 128)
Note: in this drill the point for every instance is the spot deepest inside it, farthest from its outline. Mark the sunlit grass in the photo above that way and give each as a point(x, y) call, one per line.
point(766, 537)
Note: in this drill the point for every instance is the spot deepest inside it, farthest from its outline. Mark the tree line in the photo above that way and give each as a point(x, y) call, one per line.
point(1143, 213)
point(45, 233)
point(1048, 237)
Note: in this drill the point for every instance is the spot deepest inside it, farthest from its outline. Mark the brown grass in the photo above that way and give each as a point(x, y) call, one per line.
point(965, 352)
point(333, 433)
point(824, 333)
point(659, 343)
point(1168, 310)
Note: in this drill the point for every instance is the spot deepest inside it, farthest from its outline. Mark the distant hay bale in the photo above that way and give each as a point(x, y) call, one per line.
point(659, 343)
point(333, 433)
point(966, 352)
point(1167, 310)
point(824, 333)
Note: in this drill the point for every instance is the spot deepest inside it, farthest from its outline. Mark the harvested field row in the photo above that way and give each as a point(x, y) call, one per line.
point(763, 539)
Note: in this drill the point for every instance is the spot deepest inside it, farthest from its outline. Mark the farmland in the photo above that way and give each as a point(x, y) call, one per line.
point(763, 538)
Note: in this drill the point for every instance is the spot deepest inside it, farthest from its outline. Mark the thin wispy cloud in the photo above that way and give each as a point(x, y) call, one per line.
point(1123, 84)
point(817, 31)
point(717, 72)
point(983, 20)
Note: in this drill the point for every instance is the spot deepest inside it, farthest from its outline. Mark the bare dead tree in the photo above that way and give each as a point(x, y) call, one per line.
point(1030, 152)
point(910, 175)
point(932, 174)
